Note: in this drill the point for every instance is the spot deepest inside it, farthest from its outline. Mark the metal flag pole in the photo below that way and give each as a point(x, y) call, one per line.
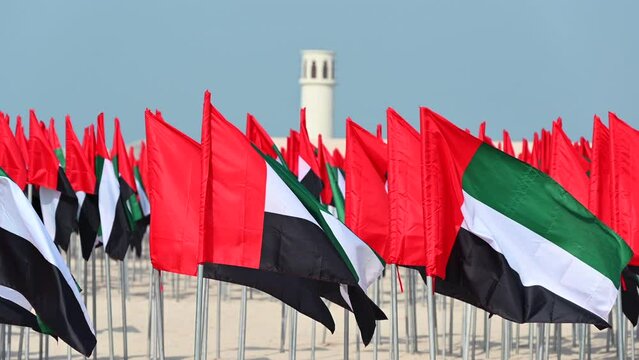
point(450, 327)
point(205, 330)
point(394, 344)
point(93, 301)
point(558, 340)
point(152, 348)
point(540, 342)
point(621, 348)
point(345, 334)
point(241, 347)
point(487, 334)
point(313, 335)
point(505, 346)
point(473, 328)
point(123, 295)
point(413, 296)
point(109, 308)
point(68, 254)
point(466, 332)
point(407, 317)
point(283, 328)
point(160, 315)
point(293, 340)
point(377, 333)
point(582, 341)
point(198, 312)
point(444, 326)
point(218, 318)
point(432, 333)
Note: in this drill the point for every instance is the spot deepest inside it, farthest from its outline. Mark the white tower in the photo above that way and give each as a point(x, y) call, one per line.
point(317, 81)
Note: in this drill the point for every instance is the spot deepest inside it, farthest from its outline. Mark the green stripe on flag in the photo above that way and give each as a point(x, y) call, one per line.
point(338, 197)
point(532, 199)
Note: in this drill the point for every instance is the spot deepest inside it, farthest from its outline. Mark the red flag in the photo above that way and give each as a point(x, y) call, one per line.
point(565, 165)
point(101, 148)
point(600, 195)
point(379, 132)
point(546, 138)
point(143, 163)
point(11, 160)
point(406, 236)
point(78, 170)
point(442, 192)
point(324, 158)
point(624, 142)
point(338, 158)
point(259, 137)
point(43, 163)
point(482, 134)
point(174, 233)
point(21, 139)
point(508, 144)
point(292, 150)
point(119, 151)
point(308, 172)
point(53, 135)
point(88, 146)
point(366, 198)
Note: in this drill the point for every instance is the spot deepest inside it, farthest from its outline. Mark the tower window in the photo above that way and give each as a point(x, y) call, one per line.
point(313, 70)
point(325, 70)
point(304, 70)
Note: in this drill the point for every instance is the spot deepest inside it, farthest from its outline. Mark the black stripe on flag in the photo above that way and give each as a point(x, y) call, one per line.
point(313, 183)
point(24, 269)
point(480, 276)
point(66, 213)
point(89, 223)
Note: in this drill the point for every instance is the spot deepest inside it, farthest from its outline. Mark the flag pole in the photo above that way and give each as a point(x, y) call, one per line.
point(293, 334)
point(413, 293)
point(582, 341)
point(394, 345)
point(377, 333)
point(466, 332)
point(473, 327)
point(198, 312)
point(123, 295)
point(152, 348)
point(346, 334)
point(283, 328)
point(313, 335)
point(109, 308)
point(93, 301)
point(540, 342)
point(621, 347)
point(205, 306)
point(242, 337)
point(432, 334)
point(487, 334)
point(218, 319)
point(160, 315)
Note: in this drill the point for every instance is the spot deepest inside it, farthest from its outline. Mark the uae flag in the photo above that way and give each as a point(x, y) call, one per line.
point(114, 225)
point(270, 217)
point(124, 170)
point(81, 173)
point(11, 159)
point(55, 143)
point(21, 140)
point(506, 238)
point(175, 195)
point(57, 200)
point(308, 171)
point(36, 286)
point(261, 139)
point(140, 164)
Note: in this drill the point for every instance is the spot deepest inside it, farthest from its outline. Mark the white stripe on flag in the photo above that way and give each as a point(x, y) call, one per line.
point(108, 194)
point(144, 200)
point(18, 217)
point(280, 199)
point(302, 168)
point(49, 200)
point(538, 261)
point(361, 256)
point(81, 195)
point(15, 297)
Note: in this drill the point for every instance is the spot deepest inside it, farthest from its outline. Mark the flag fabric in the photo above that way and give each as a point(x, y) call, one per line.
point(508, 144)
point(624, 141)
point(324, 161)
point(175, 199)
point(261, 139)
point(56, 199)
point(124, 170)
point(366, 198)
point(493, 223)
point(406, 241)
point(600, 181)
point(21, 140)
point(138, 169)
point(11, 159)
point(292, 151)
point(269, 217)
point(81, 174)
point(482, 134)
point(114, 227)
point(335, 180)
point(308, 172)
point(565, 165)
point(55, 143)
point(141, 224)
point(36, 287)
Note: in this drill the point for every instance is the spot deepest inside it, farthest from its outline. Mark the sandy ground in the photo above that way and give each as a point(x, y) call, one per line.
point(264, 325)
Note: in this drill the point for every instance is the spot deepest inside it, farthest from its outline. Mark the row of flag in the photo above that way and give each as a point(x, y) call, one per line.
point(303, 223)
point(83, 188)
point(546, 235)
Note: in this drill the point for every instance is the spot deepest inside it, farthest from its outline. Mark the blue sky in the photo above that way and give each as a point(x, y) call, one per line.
point(516, 64)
